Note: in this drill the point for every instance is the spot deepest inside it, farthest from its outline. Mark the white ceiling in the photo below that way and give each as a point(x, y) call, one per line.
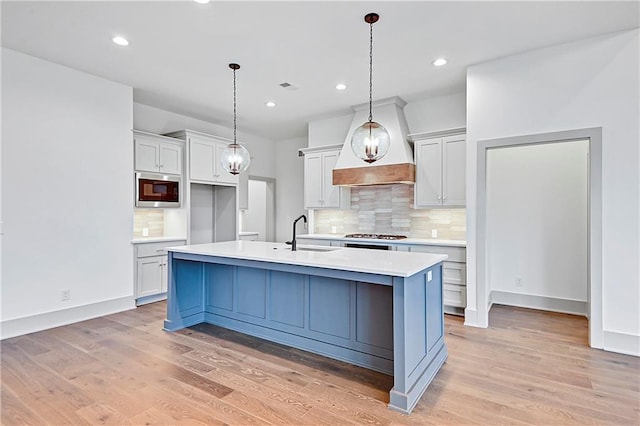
point(179, 51)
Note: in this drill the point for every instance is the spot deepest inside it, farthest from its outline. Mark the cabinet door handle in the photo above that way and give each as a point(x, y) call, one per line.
point(161, 165)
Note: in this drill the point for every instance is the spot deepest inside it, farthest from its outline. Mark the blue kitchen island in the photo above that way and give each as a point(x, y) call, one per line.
point(378, 309)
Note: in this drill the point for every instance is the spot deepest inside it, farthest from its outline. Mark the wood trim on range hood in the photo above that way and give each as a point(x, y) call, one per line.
point(375, 175)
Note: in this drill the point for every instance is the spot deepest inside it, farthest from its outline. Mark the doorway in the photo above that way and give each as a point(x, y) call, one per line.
point(485, 294)
point(260, 215)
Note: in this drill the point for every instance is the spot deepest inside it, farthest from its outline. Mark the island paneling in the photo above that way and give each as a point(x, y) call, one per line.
point(389, 323)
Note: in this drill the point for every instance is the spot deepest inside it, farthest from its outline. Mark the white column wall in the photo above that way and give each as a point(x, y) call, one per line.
point(289, 186)
point(589, 83)
point(67, 195)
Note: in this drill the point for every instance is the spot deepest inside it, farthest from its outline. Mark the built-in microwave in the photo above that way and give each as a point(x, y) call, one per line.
point(156, 190)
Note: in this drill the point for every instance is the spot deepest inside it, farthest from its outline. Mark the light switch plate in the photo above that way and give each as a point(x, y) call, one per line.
point(429, 276)
point(434, 233)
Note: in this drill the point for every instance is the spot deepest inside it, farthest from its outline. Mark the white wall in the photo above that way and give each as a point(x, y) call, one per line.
point(537, 220)
point(155, 120)
point(325, 131)
point(589, 83)
point(437, 113)
point(67, 195)
point(425, 115)
point(289, 187)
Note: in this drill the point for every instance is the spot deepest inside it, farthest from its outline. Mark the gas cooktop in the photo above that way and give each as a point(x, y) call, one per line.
point(376, 236)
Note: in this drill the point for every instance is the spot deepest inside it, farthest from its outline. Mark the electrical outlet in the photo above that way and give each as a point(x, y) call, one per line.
point(145, 232)
point(518, 281)
point(334, 229)
point(65, 295)
point(434, 233)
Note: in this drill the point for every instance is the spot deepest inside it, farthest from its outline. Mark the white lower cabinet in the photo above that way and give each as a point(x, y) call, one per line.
point(454, 275)
point(318, 241)
point(152, 276)
point(249, 236)
point(151, 270)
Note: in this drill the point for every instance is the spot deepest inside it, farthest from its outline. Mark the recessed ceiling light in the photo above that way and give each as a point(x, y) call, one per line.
point(202, 1)
point(439, 62)
point(270, 104)
point(120, 41)
point(341, 86)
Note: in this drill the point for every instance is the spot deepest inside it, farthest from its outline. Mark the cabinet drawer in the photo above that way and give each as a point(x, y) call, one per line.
point(157, 248)
point(454, 295)
point(456, 254)
point(454, 273)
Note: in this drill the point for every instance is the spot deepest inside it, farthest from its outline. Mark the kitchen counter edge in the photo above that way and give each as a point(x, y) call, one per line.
point(142, 240)
point(408, 241)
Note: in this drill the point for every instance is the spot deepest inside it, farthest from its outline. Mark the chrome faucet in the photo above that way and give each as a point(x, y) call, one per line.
point(293, 240)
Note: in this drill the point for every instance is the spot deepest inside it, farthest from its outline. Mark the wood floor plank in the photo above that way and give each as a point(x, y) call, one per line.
point(102, 414)
point(14, 411)
point(152, 417)
point(528, 367)
point(48, 392)
point(113, 392)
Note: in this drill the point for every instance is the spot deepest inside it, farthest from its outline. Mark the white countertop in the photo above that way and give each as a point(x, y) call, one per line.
point(416, 241)
point(381, 262)
point(142, 240)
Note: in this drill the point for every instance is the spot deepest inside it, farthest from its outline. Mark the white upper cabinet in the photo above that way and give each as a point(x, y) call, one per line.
point(155, 153)
point(440, 171)
point(204, 154)
point(454, 166)
point(319, 191)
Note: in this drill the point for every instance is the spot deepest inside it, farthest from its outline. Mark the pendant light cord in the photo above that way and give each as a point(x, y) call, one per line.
point(371, 72)
point(234, 107)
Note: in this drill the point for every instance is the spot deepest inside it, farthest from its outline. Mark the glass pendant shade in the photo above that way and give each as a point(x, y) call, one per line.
point(235, 159)
point(370, 142)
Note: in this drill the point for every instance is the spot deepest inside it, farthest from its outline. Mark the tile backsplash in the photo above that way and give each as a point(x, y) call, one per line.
point(388, 209)
point(152, 219)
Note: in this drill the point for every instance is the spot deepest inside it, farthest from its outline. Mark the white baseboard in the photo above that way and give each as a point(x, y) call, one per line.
point(25, 325)
point(543, 303)
point(623, 343)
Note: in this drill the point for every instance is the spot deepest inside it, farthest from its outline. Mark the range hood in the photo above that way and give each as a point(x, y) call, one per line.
point(395, 167)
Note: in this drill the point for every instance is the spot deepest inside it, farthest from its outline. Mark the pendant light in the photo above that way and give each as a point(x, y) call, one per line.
point(370, 142)
point(235, 157)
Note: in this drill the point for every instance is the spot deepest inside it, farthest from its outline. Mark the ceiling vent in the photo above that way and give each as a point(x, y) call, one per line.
point(288, 86)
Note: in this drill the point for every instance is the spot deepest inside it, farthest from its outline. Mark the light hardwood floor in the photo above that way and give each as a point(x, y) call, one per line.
point(529, 367)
